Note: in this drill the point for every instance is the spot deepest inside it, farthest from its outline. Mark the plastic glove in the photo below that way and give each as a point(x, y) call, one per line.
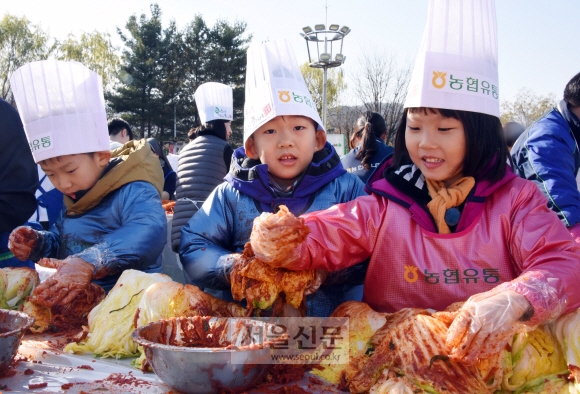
point(73, 276)
point(224, 266)
point(276, 238)
point(98, 271)
point(319, 278)
point(485, 323)
point(51, 263)
point(22, 242)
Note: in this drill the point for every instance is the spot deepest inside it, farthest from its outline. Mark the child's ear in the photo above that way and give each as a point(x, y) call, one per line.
point(250, 148)
point(320, 139)
point(103, 158)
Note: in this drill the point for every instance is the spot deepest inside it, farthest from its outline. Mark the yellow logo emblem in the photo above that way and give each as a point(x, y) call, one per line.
point(439, 75)
point(284, 96)
point(411, 275)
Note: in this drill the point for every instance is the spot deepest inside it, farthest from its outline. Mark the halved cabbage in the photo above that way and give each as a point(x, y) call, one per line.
point(16, 283)
point(111, 323)
point(534, 354)
point(567, 330)
point(20, 283)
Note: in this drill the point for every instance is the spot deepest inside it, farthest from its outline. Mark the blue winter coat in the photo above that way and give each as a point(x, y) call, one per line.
point(547, 154)
point(119, 229)
point(223, 224)
point(353, 165)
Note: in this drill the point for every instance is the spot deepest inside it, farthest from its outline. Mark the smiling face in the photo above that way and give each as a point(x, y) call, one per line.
point(436, 145)
point(73, 173)
point(286, 144)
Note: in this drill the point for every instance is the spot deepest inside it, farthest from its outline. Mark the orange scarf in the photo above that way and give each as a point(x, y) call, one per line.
point(443, 198)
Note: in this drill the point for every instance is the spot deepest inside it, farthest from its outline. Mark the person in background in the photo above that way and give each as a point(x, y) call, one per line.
point(169, 176)
point(512, 131)
point(354, 141)
point(18, 181)
point(205, 160)
point(285, 160)
point(547, 154)
point(447, 220)
point(119, 132)
point(114, 219)
point(371, 150)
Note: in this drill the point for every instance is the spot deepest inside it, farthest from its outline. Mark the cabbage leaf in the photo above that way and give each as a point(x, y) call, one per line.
point(111, 322)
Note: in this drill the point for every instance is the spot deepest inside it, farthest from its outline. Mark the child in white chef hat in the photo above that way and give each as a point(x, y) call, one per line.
point(285, 161)
point(113, 218)
point(447, 220)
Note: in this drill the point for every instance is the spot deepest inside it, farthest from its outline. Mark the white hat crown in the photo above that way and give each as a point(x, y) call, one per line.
point(456, 66)
point(62, 107)
point(214, 101)
point(275, 86)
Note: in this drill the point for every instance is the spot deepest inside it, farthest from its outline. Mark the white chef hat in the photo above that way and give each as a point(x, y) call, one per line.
point(456, 67)
point(214, 101)
point(275, 86)
point(62, 107)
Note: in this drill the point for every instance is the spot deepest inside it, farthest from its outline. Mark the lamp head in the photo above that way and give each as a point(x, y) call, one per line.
point(345, 30)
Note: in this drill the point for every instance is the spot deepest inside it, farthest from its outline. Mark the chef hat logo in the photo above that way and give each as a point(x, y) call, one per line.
point(62, 107)
point(456, 66)
point(274, 86)
point(214, 101)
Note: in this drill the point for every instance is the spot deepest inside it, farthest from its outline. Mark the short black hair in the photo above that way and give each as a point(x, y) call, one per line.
point(512, 131)
point(486, 152)
point(572, 91)
point(116, 125)
point(214, 127)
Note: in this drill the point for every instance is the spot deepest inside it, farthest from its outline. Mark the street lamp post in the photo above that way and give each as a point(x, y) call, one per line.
point(333, 35)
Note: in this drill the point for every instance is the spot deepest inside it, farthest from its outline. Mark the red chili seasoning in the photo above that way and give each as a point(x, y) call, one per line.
point(37, 385)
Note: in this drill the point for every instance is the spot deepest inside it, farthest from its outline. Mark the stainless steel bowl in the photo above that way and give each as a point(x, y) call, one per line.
point(204, 369)
point(13, 324)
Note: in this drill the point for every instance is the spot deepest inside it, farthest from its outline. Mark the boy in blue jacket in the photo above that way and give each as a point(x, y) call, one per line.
point(285, 161)
point(113, 219)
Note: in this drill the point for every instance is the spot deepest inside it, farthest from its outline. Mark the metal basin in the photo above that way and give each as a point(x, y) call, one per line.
point(13, 324)
point(193, 368)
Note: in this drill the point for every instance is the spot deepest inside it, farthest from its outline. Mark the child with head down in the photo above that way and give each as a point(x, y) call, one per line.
point(113, 219)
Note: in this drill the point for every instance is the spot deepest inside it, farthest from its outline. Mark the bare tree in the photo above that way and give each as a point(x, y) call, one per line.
point(381, 85)
point(342, 120)
point(527, 107)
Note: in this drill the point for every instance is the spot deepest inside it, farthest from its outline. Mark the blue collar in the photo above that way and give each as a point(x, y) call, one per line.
point(251, 177)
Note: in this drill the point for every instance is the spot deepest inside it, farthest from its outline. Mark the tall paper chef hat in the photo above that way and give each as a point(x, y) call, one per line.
point(214, 101)
point(62, 107)
point(275, 86)
point(456, 67)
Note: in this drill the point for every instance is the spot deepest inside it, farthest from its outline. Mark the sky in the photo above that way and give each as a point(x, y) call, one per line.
point(538, 39)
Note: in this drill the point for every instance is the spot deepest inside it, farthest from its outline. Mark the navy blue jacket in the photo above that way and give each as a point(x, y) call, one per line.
point(547, 154)
point(353, 165)
point(18, 181)
point(223, 224)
